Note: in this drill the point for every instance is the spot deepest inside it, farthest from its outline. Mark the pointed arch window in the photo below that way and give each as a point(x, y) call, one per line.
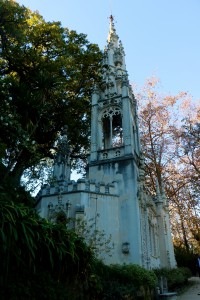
point(112, 128)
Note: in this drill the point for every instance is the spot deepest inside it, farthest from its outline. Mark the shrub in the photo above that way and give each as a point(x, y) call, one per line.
point(124, 281)
point(176, 277)
point(185, 258)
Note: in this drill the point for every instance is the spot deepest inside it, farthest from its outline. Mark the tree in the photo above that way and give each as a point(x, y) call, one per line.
point(189, 149)
point(157, 119)
point(170, 144)
point(47, 73)
point(188, 153)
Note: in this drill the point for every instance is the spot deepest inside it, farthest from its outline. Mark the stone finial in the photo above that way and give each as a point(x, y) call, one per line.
point(164, 198)
point(63, 147)
point(159, 198)
point(62, 169)
point(111, 18)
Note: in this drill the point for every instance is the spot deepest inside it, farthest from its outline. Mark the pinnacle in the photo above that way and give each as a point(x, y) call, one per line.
point(112, 32)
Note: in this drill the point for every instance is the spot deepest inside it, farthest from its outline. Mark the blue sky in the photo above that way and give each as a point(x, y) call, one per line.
point(160, 37)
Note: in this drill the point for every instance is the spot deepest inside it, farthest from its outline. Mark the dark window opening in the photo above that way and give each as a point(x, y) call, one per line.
point(112, 131)
point(106, 133)
point(117, 132)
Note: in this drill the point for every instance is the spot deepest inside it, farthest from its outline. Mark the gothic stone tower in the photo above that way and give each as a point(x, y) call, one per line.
point(113, 192)
point(115, 146)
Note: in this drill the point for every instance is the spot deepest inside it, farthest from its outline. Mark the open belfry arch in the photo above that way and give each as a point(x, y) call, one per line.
point(113, 188)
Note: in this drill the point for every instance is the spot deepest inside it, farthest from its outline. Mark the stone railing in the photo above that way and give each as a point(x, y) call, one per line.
point(78, 186)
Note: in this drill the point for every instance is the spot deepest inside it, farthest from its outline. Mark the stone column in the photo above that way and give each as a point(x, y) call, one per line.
point(94, 127)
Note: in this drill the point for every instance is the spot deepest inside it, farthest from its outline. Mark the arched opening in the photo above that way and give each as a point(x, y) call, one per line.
point(112, 128)
point(117, 132)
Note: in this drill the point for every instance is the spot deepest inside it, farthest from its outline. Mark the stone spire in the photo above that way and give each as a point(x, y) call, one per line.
point(114, 115)
point(62, 167)
point(114, 51)
point(112, 36)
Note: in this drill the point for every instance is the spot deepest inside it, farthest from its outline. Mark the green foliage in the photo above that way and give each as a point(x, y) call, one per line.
point(176, 277)
point(185, 258)
point(9, 192)
point(36, 286)
point(125, 281)
point(47, 73)
point(31, 247)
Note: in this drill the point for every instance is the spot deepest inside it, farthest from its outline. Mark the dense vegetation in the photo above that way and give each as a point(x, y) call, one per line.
point(40, 260)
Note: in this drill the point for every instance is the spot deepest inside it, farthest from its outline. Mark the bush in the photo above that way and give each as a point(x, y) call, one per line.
point(176, 277)
point(125, 281)
point(185, 258)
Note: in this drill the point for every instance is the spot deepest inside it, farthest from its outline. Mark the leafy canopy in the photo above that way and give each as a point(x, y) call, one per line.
point(46, 76)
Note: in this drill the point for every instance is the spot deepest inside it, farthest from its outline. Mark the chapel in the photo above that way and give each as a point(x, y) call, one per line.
point(112, 193)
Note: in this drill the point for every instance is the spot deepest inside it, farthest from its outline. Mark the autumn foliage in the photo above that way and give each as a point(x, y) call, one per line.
point(170, 135)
